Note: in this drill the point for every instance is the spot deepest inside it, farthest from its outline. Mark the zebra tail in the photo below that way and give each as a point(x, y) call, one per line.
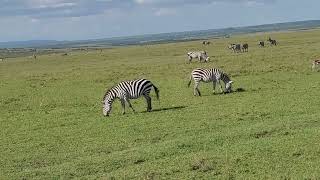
point(157, 91)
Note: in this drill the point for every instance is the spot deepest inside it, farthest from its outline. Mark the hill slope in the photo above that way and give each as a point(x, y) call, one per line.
point(165, 37)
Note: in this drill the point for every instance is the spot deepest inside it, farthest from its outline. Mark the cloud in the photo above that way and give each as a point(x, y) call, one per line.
point(78, 8)
point(58, 8)
point(165, 12)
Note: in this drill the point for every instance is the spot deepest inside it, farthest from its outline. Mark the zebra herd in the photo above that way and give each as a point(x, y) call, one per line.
point(126, 90)
point(134, 89)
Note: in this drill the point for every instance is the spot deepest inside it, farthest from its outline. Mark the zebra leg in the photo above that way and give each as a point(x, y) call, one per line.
point(196, 89)
point(130, 105)
point(221, 90)
point(123, 106)
point(214, 86)
point(148, 99)
point(313, 66)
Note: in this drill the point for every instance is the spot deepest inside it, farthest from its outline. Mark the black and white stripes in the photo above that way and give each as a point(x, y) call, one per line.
point(128, 90)
point(201, 55)
point(209, 75)
point(316, 65)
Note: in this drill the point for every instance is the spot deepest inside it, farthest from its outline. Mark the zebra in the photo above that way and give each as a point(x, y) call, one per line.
point(128, 90)
point(206, 42)
point(231, 46)
point(208, 75)
point(272, 41)
point(261, 43)
point(245, 47)
point(198, 54)
point(316, 65)
point(235, 47)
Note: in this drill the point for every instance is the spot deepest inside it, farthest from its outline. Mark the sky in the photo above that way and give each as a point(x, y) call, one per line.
point(22, 20)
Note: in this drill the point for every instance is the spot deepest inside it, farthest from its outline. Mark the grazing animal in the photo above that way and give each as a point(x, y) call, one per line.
point(316, 65)
point(34, 56)
point(209, 75)
point(201, 55)
point(261, 43)
point(128, 90)
point(231, 46)
point(235, 47)
point(272, 41)
point(245, 47)
point(206, 42)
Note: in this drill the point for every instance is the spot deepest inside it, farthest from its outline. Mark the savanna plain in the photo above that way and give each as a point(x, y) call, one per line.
point(52, 125)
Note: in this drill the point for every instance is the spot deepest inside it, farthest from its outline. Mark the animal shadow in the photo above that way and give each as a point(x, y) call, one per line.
point(167, 109)
point(238, 90)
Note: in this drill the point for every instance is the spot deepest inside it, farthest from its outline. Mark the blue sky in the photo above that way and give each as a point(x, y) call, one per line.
point(91, 19)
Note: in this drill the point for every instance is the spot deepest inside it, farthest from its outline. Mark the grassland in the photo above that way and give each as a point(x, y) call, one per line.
point(52, 125)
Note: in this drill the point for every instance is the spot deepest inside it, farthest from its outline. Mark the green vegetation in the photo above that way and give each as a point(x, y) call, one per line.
point(52, 125)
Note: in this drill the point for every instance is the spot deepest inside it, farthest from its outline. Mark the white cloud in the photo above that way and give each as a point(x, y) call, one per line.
point(77, 8)
point(33, 20)
point(165, 12)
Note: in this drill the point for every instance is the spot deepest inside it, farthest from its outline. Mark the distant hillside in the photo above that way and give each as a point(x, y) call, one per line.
point(164, 37)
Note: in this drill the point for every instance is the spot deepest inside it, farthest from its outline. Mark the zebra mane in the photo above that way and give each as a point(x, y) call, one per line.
point(106, 93)
point(225, 78)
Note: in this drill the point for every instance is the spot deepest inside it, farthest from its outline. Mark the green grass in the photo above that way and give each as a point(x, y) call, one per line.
point(52, 125)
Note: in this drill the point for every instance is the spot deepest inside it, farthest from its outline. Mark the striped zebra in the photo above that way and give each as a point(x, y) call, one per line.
point(272, 41)
point(261, 43)
point(201, 55)
point(128, 90)
point(210, 75)
point(235, 47)
point(316, 65)
point(245, 47)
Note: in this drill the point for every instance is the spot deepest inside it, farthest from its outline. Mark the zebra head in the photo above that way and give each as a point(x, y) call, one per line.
point(229, 86)
point(107, 103)
point(231, 46)
point(106, 108)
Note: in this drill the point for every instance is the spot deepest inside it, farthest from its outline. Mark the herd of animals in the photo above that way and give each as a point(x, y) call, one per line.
point(134, 89)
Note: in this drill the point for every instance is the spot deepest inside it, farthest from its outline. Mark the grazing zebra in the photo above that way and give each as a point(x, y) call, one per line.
point(235, 47)
point(198, 54)
point(128, 90)
point(206, 42)
point(231, 46)
point(208, 75)
point(272, 41)
point(261, 43)
point(245, 47)
point(316, 65)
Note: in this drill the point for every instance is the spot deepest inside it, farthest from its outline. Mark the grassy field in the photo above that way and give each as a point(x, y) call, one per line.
point(52, 125)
